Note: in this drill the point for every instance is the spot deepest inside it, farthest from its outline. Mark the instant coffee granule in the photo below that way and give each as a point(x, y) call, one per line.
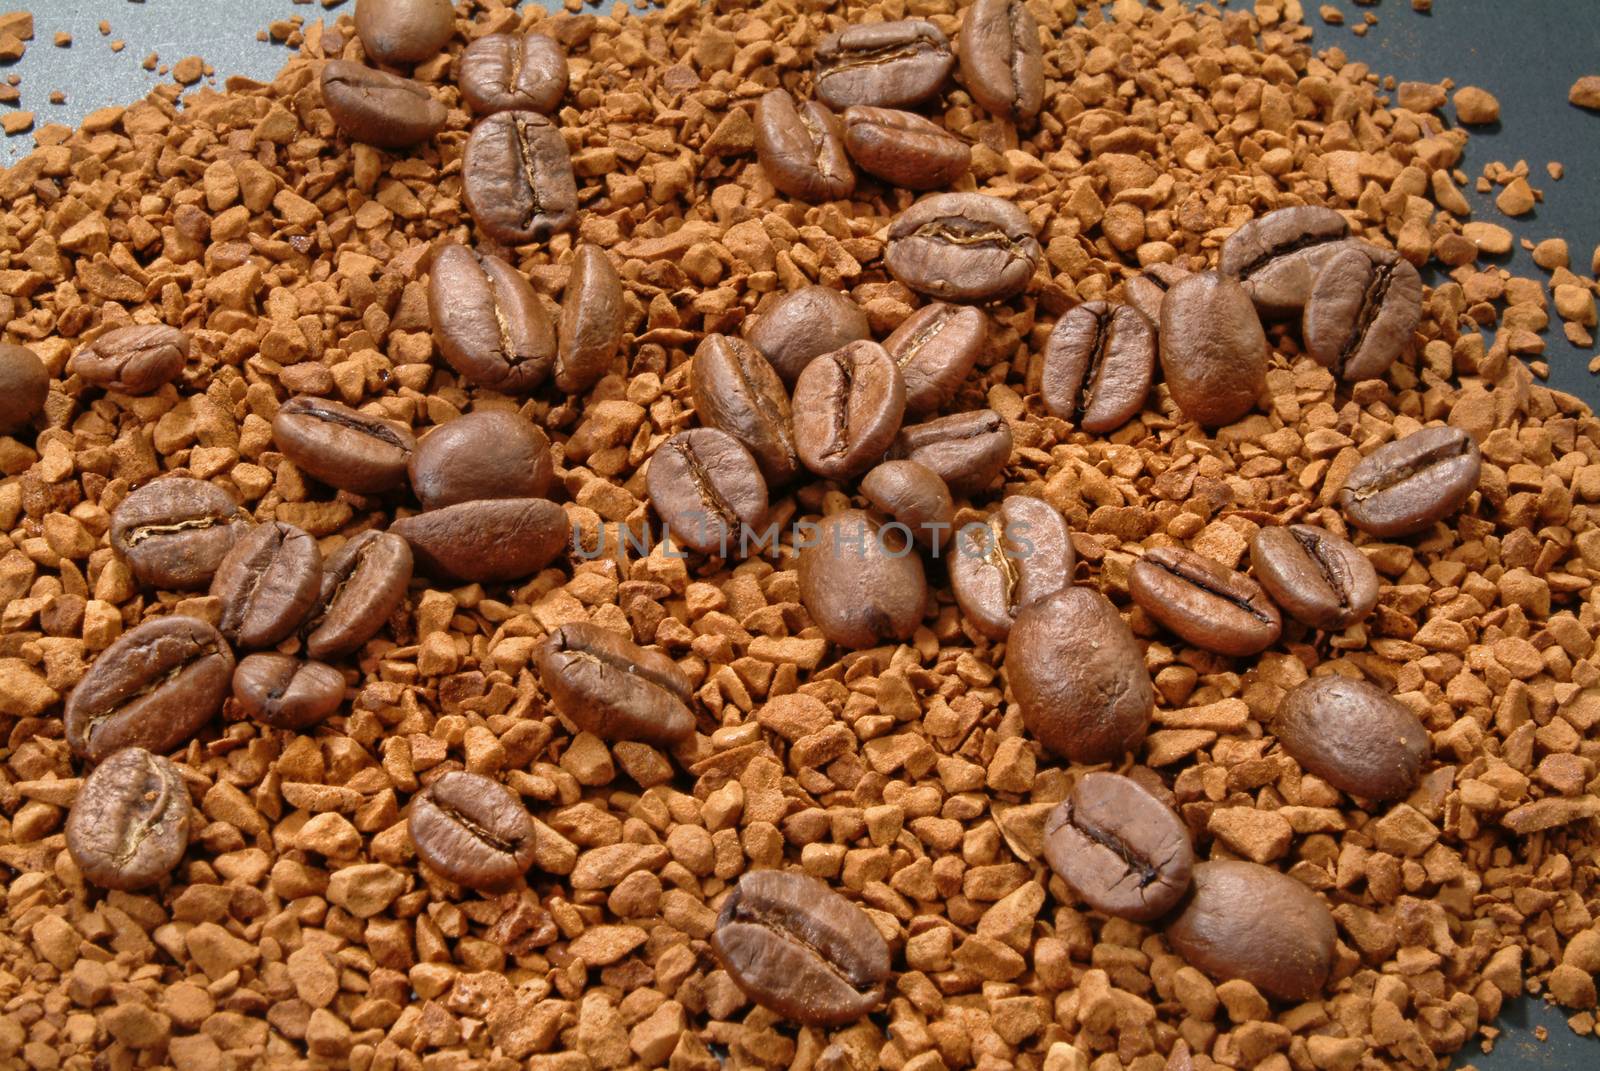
point(300, 928)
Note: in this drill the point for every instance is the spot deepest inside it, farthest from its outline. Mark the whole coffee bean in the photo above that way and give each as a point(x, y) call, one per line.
point(24, 385)
point(473, 830)
point(286, 693)
point(343, 447)
point(1021, 554)
point(129, 826)
point(1277, 257)
point(607, 685)
point(1243, 920)
point(936, 347)
point(404, 31)
point(966, 247)
point(860, 584)
point(132, 360)
point(1204, 602)
point(488, 321)
point(1002, 59)
point(1403, 487)
point(592, 310)
point(486, 540)
point(804, 324)
point(1213, 349)
point(801, 148)
point(1356, 737)
point(1079, 676)
point(887, 64)
point(847, 409)
point(174, 531)
point(379, 108)
point(736, 390)
point(154, 688)
point(363, 584)
point(904, 148)
point(914, 496)
point(1098, 364)
point(516, 177)
point(1123, 851)
point(967, 450)
point(268, 584)
point(1364, 305)
point(485, 454)
point(708, 490)
point(797, 948)
point(1147, 290)
point(504, 72)
point(1319, 579)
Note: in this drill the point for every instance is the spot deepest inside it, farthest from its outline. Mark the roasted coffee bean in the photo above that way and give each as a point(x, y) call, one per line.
point(804, 324)
point(904, 148)
point(154, 688)
point(488, 321)
point(1002, 59)
point(473, 830)
point(736, 389)
point(1243, 920)
point(1022, 553)
point(132, 360)
point(1123, 851)
point(607, 685)
point(504, 72)
point(799, 949)
point(708, 490)
point(363, 584)
point(516, 177)
point(966, 247)
point(592, 310)
point(343, 447)
point(862, 585)
point(404, 31)
point(174, 531)
point(967, 450)
point(913, 495)
point(486, 540)
point(268, 584)
point(379, 108)
point(1319, 579)
point(847, 409)
point(1364, 305)
point(1204, 602)
point(1079, 676)
point(1147, 290)
point(1357, 737)
point(286, 693)
point(1213, 349)
point(1277, 257)
point(24, 385)
point(1098, 364)
point(886, 64)
point(1403, 487)
point(936, 347)
point(129, 826)
point(486, 454)
point(801, 148)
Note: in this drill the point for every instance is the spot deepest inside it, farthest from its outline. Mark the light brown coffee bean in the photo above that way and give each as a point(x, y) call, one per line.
point(1204, 602)
point(129, 825)
point(904, 148)
point(174, 531)
point(473, 830)
point(1353, 735)
point(1119, 848)
point(1147, 290)
point(861, 585)
point(486, 540)
point(606, 684)
point(967, 450)
point(134, 360)
point(516, 178)
point(363, 584)
point(592, 312)
point(884, 64)
point(735, 389)
point(847, 409)
point(380, 108)
point(801, 148)
point(936, 347)
point(268, 584)
point(404, 31)
point(343, 447)
point(802, 325)
point(1002, 59)
point(1213, 349)
point(24, 385)
point(282, 691)
point(1098, 365)
point(489, 453)
point(1021, 553)
point(1317, 577)
point(488, 321)
point(1406, 486)
point(708, 490)
point(1363, 307)
point(914, 496)
point(1277, 257)
point(505, 72)
point(966, 247)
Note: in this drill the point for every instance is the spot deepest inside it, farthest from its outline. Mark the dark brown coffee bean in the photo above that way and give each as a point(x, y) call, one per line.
point(735, 389)
point(1147, 290)
point(1079, 676)
point(486, 540)
point(24, 385)
point(1204, 602)
point(154, 688)
point(1213, 349)
point(504, 72)
point(1021, 554)
point(915, 497)
point(904, 148)
point(801, 148)
point(488, 321)
point(607, 685)
point(847, 409)
point(966, 247)
point(1277, 257)
point(268, 584)
point(1098, 365)
point(1123, 851)
point(886, 64)
point(343, 447)
point(797, 948)
point(516, 177)
point(174, 531)
point(804, 324)
point(862, 585)
point(1002, 59)
point(379, 108)
point(133, 360)
point(967, 450)
point(1243, 920)
point(1358, 738)
point(936, 347)
point(1364, 305)
point(708, 490)
point(473, 830)
point(286, 693)
point(363, 584)
point(1319, 579)
point(592, 310)
point(404, 31)
point(486, 454)
point(129, 826)
point(1403, 487)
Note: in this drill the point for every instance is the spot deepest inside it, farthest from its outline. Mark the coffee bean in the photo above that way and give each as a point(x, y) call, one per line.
point(904, 148)
point(343, 447)
point(1277, 257)
point(847, 409)
point(129, 825)
point(1204, 602)
point(801, 148)
point(154, 688)
point(966, 247)
point(1019, 555)
point(1354, 736)
point(516, 177)
point(1123, 851)
point(592, 312)
point(504, 72)
point(174, 531)
point(132, 360)
point(1098, 364)
point(1403, 487)
point(936, 347)
point(473, 830)
point(363, 584)
point(490, 453)
point(967, 450)
point(268, 584)
point(404, 31)
point(606, 684)
point(1213, 349)
point(488, 321)
point(914, 496)
point(286, 693)
point(736, 390)
point(1243, 920)
point(1002, 59)
point(24, 385)
point(804, 324)
point(886, 64)
point(861, 585)
point(1364, 305)
point(486, 540)
point(1079, 676)
point(799, 949)
point(1147, 290)
point(379, 108)
point(708, 490)
point(1319, 579)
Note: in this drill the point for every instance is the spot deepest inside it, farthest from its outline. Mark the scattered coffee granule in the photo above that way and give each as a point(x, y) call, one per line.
point(57, 97)
point(9, 94)
point(150, 62)
point(118, 45)
point(18, 24)
point(16, 122)
point(63, 39)
point(188, 70)
point(1475, 106)
point(1331, 15)
point(1585, 92)
point(11, 48)
point(105, 28)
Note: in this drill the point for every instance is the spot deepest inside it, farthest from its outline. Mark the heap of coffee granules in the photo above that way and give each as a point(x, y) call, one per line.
point(299, 928)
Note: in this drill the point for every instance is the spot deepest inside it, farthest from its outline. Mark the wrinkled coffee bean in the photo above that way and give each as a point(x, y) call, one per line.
point(379, 108)
point(174, 531)
point(286, 693)
point(485, 454)
point(343, 447)
point(1204, 602)
point(363, 584)
point(936, 347)
point(268, 584)
point(1098, 364)
point(708, 490)
point(914, 496)
point(885, 64)
point(404, 31)
point(861, 585)
point(504, 72)
point(847, 408)
point(1363, 306)
point(903, 148)
point(607, 685)
point(801, 148)
point(473, 830)
point(1213, 349)
point(1002, 59)
point(24, 385)
point(1403, 487)
point(132, 360)
point(966, 247)
point(129, 826)
point(804, 324)
point(735, 389)
point(592, 310)
point(516, 177)
point(488, 321)
point(1319, 579)
point(1278, 256)
point(967, 450)
point(486, 540)
point(1147, 290)
point(1123, 851)
point(1022, 553)
point(1357, 737)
